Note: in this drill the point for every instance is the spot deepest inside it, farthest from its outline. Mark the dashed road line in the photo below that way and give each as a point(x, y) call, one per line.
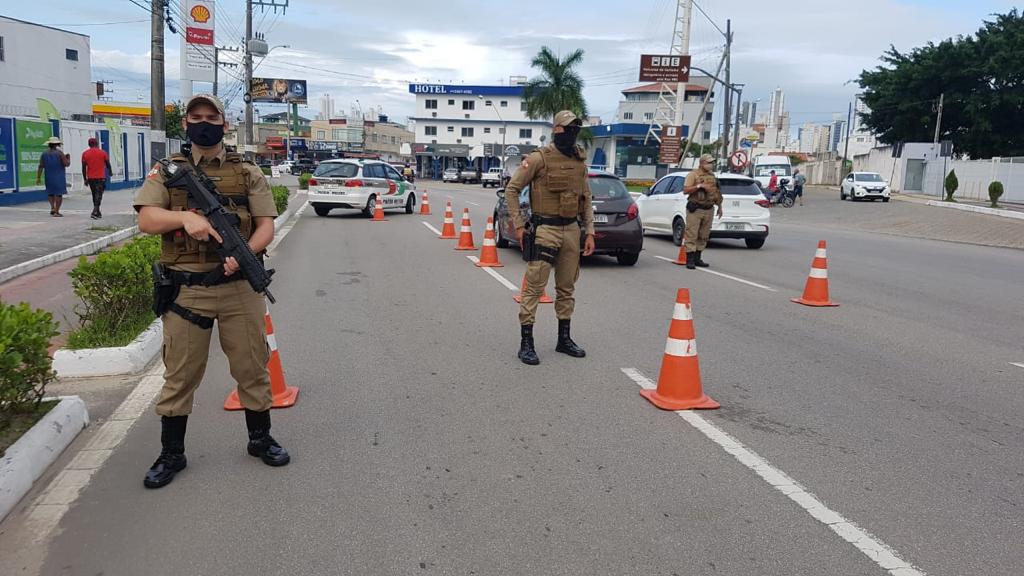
point(496, 276)
point(432, 229)
point(873, 548)
point(1018, 364)
point(729, 276)
point(473, 203)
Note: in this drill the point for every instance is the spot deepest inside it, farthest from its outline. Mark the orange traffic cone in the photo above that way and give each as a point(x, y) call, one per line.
point(489, 251)
point(284, 395)
point(425, 206)
point(681, 259)
point(679, 385)
point(465, 233)
point(544, 298)
point(448, 230)
point(816, 290)
point(378, 211)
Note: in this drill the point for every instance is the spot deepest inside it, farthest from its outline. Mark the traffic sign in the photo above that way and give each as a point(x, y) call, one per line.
point(664, 68)
point(739, 160)
point(671, 144)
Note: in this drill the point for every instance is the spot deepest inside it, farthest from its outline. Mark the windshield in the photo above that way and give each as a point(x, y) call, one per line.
point(451, 171)
point(868, 178)
point(765, 170)
point(739, 187)
point(336, 170)
point(607, 188)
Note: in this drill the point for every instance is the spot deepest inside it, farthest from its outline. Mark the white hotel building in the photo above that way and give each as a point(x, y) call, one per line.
point(458, 126)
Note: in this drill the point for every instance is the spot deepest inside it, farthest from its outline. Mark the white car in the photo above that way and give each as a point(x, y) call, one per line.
point(864, 185)
point(450, 175)
point(746, 215)
point(356, 184)
point(286, 166)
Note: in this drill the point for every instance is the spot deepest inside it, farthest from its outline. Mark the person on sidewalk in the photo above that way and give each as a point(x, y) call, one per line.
point(53, 163)
point(798, 185)
point(201, 293)
point(559, 201)
point(703, 194)
point(95, 170)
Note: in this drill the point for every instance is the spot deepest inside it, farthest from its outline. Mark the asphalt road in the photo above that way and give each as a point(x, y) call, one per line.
point(421, 445)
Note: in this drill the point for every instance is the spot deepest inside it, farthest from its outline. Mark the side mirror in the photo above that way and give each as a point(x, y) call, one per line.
point(649, 191)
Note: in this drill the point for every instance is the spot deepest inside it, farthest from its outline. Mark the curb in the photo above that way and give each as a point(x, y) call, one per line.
point(33, 453)
point(84, 249)
point(130, 359)
point(978, 209)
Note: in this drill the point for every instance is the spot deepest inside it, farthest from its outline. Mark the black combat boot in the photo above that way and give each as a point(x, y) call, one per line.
point(565, 343)
point(526, 351)
point(691, 260)
point(172, 455)
point(261, 443)
point(700, 261)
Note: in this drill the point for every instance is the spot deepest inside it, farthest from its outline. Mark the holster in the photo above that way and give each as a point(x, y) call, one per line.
point(165, 290)
point(529, 243)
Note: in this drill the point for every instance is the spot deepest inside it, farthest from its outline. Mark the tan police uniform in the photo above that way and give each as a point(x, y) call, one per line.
point(698, 223)
point(239, 310)
point(558, 190)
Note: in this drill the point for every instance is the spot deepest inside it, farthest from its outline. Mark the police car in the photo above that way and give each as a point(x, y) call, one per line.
point(356, 184)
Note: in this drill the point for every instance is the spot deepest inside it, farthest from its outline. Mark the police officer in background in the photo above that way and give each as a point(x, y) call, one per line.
point(202, 294)
point(559, 201)
point(703, 195)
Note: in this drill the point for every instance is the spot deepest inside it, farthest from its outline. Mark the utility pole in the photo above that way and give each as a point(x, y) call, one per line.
point(157, 126)
point(727, 113)
point(250, 139)
point(938, 121)
point(736, 127)
point(846, 148)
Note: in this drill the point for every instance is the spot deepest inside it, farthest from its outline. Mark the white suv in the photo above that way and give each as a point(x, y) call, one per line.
point(356, 184)
point(746, 215)
point(861, 185)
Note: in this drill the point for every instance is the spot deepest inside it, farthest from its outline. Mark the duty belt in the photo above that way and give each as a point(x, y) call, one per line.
point(538, 220)
point(202, 278)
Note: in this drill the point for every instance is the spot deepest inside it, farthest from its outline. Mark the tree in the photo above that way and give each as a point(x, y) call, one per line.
point(559, 87)
point(173, 113)
point(951, 184)
point(981, 78)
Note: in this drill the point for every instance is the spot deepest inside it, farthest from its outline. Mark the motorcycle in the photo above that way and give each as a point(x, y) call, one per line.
point(783, 196)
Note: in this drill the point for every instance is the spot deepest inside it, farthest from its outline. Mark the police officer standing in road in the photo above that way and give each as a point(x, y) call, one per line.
point(201, 294)
point(701, 189)
point(559, 201)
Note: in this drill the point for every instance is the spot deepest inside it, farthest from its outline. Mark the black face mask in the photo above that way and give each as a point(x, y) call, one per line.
point(204, 133)
point(565, 142)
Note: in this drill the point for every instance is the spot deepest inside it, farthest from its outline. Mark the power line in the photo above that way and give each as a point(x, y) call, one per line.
point(100, 23)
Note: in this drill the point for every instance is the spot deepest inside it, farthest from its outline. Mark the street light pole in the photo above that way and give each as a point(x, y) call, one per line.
point(504, 131)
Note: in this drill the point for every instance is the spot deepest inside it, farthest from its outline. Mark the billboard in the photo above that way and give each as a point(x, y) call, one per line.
point(197, 48)
point(664, 68)
point(30, 139)
point(278, 90)
point(6, 154)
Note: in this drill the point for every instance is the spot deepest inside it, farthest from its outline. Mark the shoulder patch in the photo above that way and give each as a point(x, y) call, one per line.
point(526, 163)
point(153, 172)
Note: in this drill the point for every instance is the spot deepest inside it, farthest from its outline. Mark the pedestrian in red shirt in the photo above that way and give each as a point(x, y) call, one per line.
point(95, 167)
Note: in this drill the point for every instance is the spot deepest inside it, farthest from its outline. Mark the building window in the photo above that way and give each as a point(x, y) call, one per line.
point(374, 138)
point(522, 106)
point(467, 132)
point(707, 135)
point(487, 130)
point(431, 104)
point(337, 134)
point(504, 103)
point(627, 115)
point(451, 102)
point(394, 140)
point(71, 54)
point(321, 134)
point(468, 105)
point(648, 115)
point(707, 117)
point(501, 130)
point(1, 48)
point(526, 133)
point(488, 103)
point(430, 130)
point(451, 128)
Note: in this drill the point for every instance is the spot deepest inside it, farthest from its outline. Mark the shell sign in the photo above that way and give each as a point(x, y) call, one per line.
point(200, 14)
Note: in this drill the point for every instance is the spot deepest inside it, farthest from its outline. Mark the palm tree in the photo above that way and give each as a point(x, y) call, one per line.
point(559, 87)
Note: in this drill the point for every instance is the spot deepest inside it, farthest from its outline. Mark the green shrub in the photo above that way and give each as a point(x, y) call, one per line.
point(116, 290)
point(266, 170)
point(995, 190)
point(304, 180)
point(951, 185)
point(25, 365)
point(280, 197)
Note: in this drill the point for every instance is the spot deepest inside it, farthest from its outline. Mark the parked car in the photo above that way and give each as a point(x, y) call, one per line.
point(493, 177)
point(356, 184)
point(469, 175)
point(864, 186)
point(285, 166)
point(663, 209)
point(617, 229)
point(450, 175)
point(303, 165)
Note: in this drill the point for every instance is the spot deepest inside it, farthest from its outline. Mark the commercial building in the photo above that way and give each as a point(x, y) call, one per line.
point(459, 126)
point(351, 137)
point(42, 62)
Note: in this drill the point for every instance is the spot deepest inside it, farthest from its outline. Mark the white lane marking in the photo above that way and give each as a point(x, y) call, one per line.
point(496, 276)
point(432, 229)
point(473, 203)
point(287, 228)
point(1018, 364)
point(873, 548)
point(741, 280)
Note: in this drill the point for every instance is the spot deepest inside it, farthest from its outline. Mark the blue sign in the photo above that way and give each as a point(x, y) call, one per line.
point(6, 154)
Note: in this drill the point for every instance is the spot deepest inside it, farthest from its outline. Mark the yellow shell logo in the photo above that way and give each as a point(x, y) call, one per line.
point(200, 13)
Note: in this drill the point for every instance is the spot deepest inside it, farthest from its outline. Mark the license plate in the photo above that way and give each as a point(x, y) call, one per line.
point(735, 226)
point(337, 191)
point(600, 218)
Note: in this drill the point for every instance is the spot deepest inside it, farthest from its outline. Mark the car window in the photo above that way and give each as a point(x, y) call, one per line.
point(603, 188)
point(868, 178)
point(392, 173)
point(676, 186)
point(336, 170)
point(661, 186)
point(738, 187)
point(373, 171)
point(850, 177)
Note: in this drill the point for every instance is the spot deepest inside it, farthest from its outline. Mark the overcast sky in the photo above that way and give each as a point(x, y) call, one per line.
point(370, 51)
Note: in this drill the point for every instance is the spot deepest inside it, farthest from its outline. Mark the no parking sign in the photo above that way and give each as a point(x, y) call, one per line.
point(738, 160)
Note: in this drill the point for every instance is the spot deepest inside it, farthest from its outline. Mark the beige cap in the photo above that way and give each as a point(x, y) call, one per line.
point(707, 158)
point(205, 99)
point(566, 117)
point(53, 140)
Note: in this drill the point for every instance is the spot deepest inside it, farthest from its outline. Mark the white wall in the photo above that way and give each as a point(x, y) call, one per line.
point(35, 66)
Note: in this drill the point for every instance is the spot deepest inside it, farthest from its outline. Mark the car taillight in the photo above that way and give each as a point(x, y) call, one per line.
point(312, 181)
point(354, 183)
point(633, 212)
point(763, 203)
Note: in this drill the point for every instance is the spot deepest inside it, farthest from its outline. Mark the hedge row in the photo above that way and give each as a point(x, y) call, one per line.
point(25, 365)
